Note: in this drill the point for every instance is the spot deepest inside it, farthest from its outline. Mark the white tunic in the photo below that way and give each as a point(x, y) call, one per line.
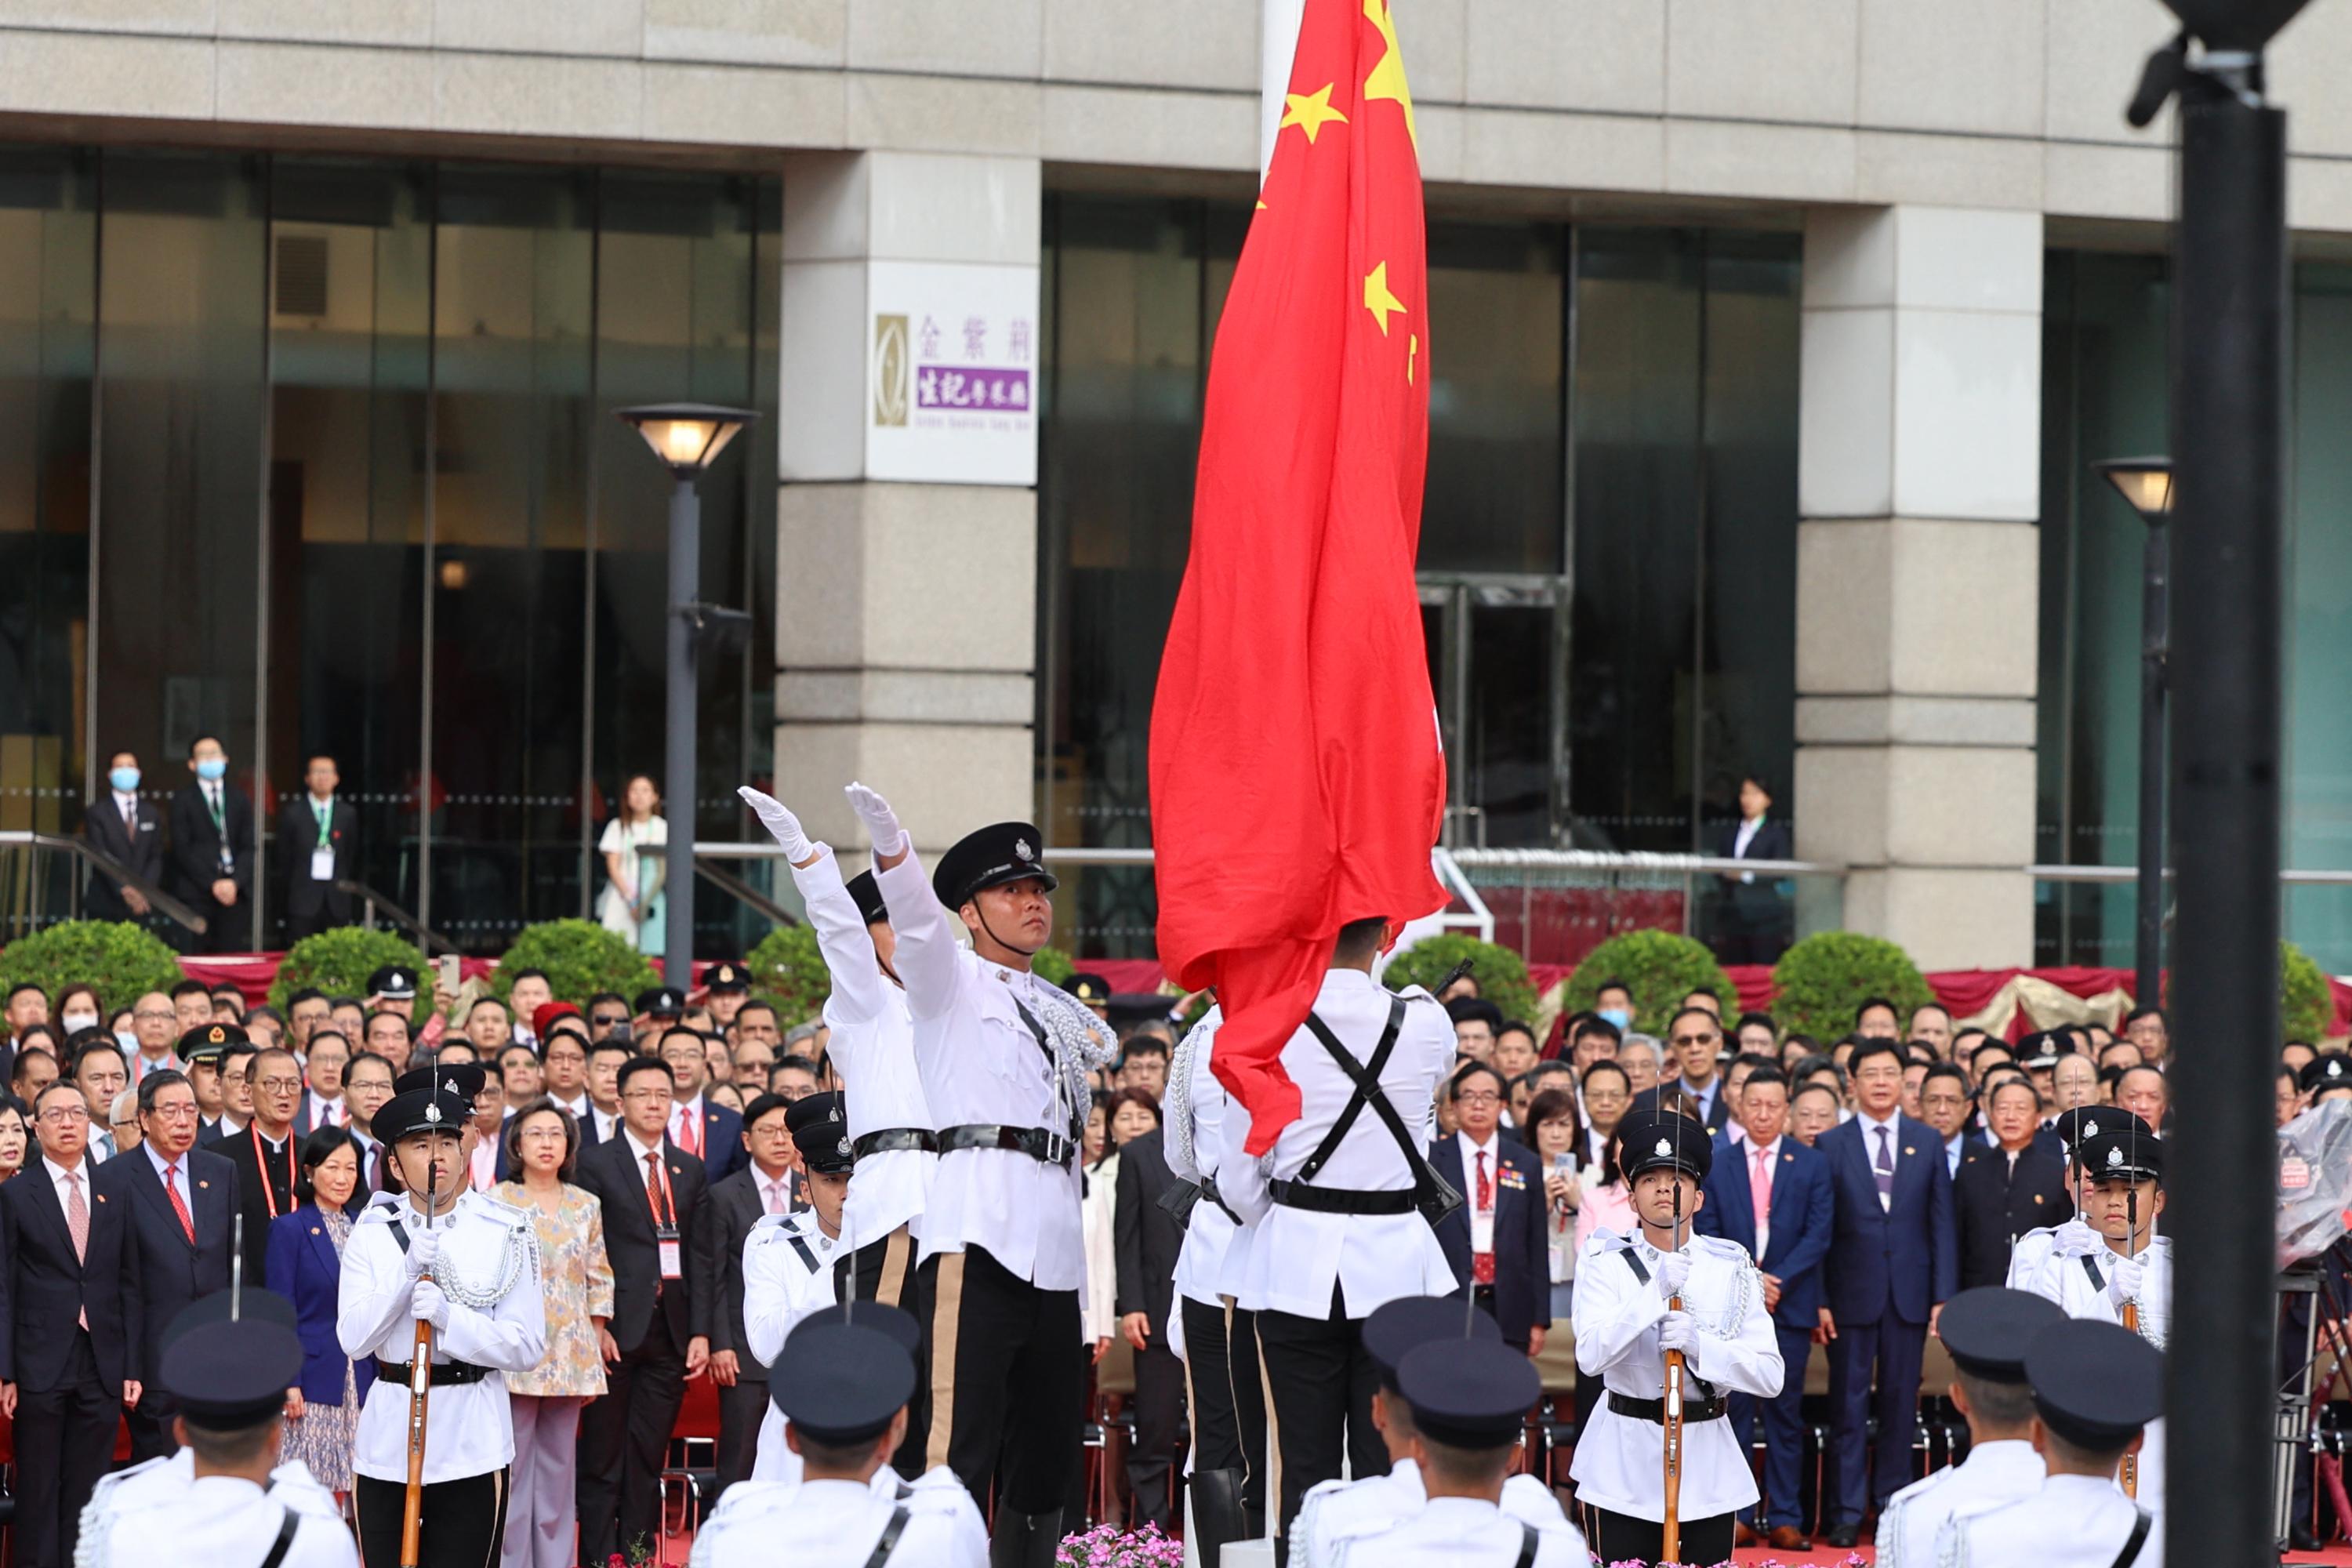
point(160, 1480)
point(980, 1064)
point(1465, 1532)
point(469, 1427)
point(1288, 1259)
point(836, 1524)
point(1196, 1145)
point(1334, 1513)
point(2073, 1521)
point(787, 1276)
point(224, 1520)
point(2058, 1275)
point(1621, 1460)
point(1993, 1475)
point(873, 1043)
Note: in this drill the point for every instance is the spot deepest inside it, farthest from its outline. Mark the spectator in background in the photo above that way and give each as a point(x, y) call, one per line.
point(1943, 1106)
point(192, 1004)
point(2073, 1081)
point(1915, 1073)
point(606, 1059)
point(529, 993)
point(1515, 1049)
point(1753, 919)
point(122, 1122)
point(2143, 1091)
point(2286, 1103)
point(631, 906)
point(1607, 1095)
point(563, 1070)
point(267, 1162)
point(794, 1078)
point(99, 1072)
point(1143, 1063)
point(1534, 1081)
point(1695, 1035)
point(1614, 1001)
point(1592, 1039)
point(726, 987)
point(212, 851)
point(128, 831)
point(1933, 1024)
point(2147, 1028)
point(318, 839)
point(1755, 1034)
point(304, 1263)
point(519, 1073)
point(1639, 1055)
point(1876, 1019)
point(1146, 1241)
point(156, 1028)
point(1498, 1240)
point(1099, 1302)
point(756, 1029)
point(263, 1026)
point(713, 1133)
point(322, 1073)
point(1705, 998)
point(27, 1004)
point(607, 1011)
point(489, 1027)
point(368, 1081)
point(228, 1004)
point(305, 1010)
point(391, 1037)
point(2006, 1190)
point(15, 1135)
point(36, 1067)
point(1555, 1140)
point(1477, 1021)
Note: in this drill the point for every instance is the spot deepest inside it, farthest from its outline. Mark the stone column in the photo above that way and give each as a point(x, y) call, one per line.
point(1918, 558)
point(907, 521)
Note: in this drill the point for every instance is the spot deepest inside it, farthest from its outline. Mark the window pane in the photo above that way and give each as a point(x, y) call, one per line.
point(1493, 499)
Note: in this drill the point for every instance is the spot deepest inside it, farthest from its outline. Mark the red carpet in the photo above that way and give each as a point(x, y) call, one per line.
point(2337, 1556)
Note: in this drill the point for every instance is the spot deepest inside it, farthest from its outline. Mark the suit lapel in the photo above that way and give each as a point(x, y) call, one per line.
point(321, 1243)
point(149, 1185)
point(46, 1198)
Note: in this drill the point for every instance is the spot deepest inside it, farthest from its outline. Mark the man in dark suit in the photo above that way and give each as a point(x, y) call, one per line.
point(697, 1126)
point(2004, 1192)
point(368, 1079)
point(265, 1154)
point(729, 1213)
point(175, 1203)
point(1894, 1258)
point(1146, 1238)
point(1497, 1241)
point(128, 831)
point(318, 839)
point(212, 850)
point(651, 1193)
point(62, 1367)
point(1694, 1044)
point(1790, 1184)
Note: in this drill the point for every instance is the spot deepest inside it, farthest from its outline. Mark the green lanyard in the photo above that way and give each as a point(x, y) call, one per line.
point(324, 817)
point(213, 804)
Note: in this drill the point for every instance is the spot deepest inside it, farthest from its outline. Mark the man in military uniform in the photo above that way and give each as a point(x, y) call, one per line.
point(789, 1262)
point(1987, 1331)
point(2095, 1388)
point(467, 1265)
point(1626, 1320)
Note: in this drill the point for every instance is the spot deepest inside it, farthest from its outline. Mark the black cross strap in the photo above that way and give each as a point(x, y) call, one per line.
point(2130, 1554)
point(2091, 1270)
point(889, 1541)
point(285, 1542)
point(1529, 1542)
point(800, 1246)
point(1366, 1075)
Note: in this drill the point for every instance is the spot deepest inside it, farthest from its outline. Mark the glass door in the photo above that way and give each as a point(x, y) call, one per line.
point(1498, 664)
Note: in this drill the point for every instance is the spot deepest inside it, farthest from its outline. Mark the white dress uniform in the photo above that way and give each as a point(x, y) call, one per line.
point(2073, 1521)
point(1993, 1475)
point(1619, 1458)
point(1195, 1106)
point(488, 1270)
point(1339, 1512)
point(838, 1524)
point(873, 1041)
point(225, 1519)
point(787, 1274)
point(2060, 1276)
point(2032, 1250)
point(162, 1480)
point(1467, 1532)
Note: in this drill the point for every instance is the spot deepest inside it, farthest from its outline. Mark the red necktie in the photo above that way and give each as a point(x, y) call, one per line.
point(1760, 1190)
point(179, 1204)
point(689, 1132)
point(1481, 1264)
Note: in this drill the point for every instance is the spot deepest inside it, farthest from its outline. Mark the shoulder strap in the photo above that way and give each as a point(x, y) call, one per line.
point(1366, 1075)
point(2091, 1268)
point(291, 1522)
point(882, 1548)
point(800, 1246)
point(399, 1234)
point(1634, 1262)
point(1529, 1542)
point(2130, 1554)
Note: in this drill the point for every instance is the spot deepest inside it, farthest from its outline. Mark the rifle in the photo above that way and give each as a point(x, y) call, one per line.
point(420, 1390)
point(2131, 1309)
point(1672, 1547)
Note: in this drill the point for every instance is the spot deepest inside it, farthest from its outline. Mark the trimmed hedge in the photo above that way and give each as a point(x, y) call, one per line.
point(2306, 1001)
point(1823, 979)
point(1661, 968)
point(1502, 974)
point(339, 963)
point(581, 958)
point(124, 961)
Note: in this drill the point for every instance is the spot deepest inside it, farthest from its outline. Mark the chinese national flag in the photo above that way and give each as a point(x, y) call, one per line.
point(1298, 781)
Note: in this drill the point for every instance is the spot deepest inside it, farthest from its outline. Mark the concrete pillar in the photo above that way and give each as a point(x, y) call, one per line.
point(908, 518)
point(1917, 556)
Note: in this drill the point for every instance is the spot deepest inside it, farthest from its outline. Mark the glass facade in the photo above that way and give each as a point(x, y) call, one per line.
point(318, 455)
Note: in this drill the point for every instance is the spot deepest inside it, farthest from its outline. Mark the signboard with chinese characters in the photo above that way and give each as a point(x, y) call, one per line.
point(951, 373)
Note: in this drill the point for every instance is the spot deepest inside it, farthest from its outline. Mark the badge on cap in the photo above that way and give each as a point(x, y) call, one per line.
point(841, 1149)
point(1021, 851)
point(2115, 1157)
point(1665, 1149)
point(2090, 1128)
point(432, 1113)
point(217, 1035)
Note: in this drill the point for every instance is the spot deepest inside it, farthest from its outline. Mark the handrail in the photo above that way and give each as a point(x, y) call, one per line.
point(109, 867)
point(1650, 862)
point(2102, 874)
point(728, 882)
point(431, 940)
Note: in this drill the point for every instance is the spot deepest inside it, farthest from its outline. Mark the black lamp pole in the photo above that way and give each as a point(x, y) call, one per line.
point(2146, 484)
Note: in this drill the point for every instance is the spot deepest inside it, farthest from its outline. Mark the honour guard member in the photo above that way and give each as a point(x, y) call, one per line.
point(228, 1379)
point(843, 1388)
point(789, 1262)
point(1987, 1331)
point(467, 1265)
point(1469, 1401)
point(2119, 1270)
point(1335, 1227)
point(2095, 1388)
point(1337, 1512)
point(1627, 1318)
point(2069, 1128)
point(1005, 1057)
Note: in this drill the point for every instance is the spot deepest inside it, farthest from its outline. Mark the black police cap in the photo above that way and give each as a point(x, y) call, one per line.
point(819, 1124)
point(253, 1301)
point(227, 1377)
point(464, 1080)
point(726, 976)
point(659, 1002)
point(2321, 1072)
point(842, 1382)
point(866, 894)
point(829, 1105)
point(420, 1112)
point(393, 983)
point(1662, 1139)
point(208, 1043)
point(898, 1325)
point(1396, 1330)
point(2131, 1154)
point(1088, 987)
point(2096, 1384)
point(1469, 1394)
point(1000, 853)
point(2085, 1122)
point(1989, 1329)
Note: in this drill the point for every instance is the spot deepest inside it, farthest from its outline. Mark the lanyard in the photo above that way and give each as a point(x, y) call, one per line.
point(213, 804)
point(667, 1202)
point(324, 816)
point(261, 1162)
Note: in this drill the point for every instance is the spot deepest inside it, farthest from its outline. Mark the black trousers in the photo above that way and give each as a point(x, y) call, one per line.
point(740, 1410)
point(151, 1427)
point(1159, 1422)
point(622, 1437)
point(461, 1524)
point(65, 1441)
point(1614, 1538)
point(887, 1271)
point(1322, 1385)
point(1007, 1381)
point(1228, 1395)
point(327, 915)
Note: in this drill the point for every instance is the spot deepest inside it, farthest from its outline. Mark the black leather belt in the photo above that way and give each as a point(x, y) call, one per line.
point(891, 1140)
point(1339, 1200)
point(1654, 1410)
point(1046, 1148)
point(445, 1373)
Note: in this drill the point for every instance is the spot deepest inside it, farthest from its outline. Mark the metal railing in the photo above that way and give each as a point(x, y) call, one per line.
point(742, 891)
point(2129, 874)
point(106, 866)
point(426, 937)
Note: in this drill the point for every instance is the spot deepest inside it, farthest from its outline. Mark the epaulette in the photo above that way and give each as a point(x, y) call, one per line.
point(1606, 1240)
point(1721, 1247)
point(500, 1209)
point(378, 1214)
point(768, 1222)
point(1416, 993)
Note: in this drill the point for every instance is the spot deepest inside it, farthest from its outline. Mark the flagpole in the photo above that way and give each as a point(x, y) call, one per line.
point(1283, 20)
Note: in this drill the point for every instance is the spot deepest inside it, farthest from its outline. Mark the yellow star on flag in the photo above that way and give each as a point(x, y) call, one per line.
point(1376, 297)
point(1311, 111)
point(1387, 80)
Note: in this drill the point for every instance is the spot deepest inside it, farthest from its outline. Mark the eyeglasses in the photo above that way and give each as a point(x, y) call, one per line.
point(66, 1116)
point(156, 1015)
point(541, 1134)
point(279, 1085)
point(1693, 1039)
point(1478, 1096)
point(647, 1096)
point(172, 1113)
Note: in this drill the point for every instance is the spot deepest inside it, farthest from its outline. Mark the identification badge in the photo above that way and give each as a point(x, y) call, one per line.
point(322, 865)
point(667, 1241)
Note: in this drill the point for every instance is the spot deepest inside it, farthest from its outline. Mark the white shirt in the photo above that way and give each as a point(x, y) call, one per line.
point(872, 1042)
point(775, 1193)
point(1194, 1157)
point(606, 1122)
point(687, 1127)
point(1993, 1475)
point(836, 1524)
point(2056, 1271)
point(65, 1188)
point(640, 1151)
point(1748, 828)
point(1465, 1532)
point(224, 1518)
point(126, 807)
point(1870, 1130)
point(2073, 1521)
point(1334, 1513)
point(161, 1480)
point(177, 1181)
point(325, 1112)
point(579, 1108)
point(1482, 1221)
point(787, 1276)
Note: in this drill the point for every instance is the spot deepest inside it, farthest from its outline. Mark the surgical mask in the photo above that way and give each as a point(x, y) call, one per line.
point(1621, 1016)
point(212, 769)
point(75, 1022)
point(124, 780)
point(127, 1038)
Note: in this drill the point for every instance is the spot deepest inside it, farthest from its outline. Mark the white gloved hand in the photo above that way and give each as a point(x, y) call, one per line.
point(881, 822)
point(427, 1305)
point(424, 1250)
point(1677, 1331)
point(2123, 1276)
point(781, 825)
point(1674, 1272)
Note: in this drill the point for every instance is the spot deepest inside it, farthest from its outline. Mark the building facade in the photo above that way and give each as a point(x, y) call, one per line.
point(1770, 338)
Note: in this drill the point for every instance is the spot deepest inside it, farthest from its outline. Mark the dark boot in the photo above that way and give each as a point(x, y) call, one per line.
point(1024, 1540)
point(1218, 1516)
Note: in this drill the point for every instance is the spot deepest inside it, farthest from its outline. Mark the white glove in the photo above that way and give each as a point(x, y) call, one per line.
point(881, 822)
point(1674, 1272)
point(427, 1305)
point(781, 825)
point(1676, 1331)
point(424, 1251)
point(2124, 1278)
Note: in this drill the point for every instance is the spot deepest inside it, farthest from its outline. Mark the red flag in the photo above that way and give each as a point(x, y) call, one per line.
point(1298, 781)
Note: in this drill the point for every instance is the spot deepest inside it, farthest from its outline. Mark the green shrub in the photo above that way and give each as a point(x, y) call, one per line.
point(1054, 967)
point(1825, 977)
point(124, 961)
point(581, 958)
point(1502, 974)
point(1660, 967)
point(2306, 1001)
point(788, 971)
point(339, 963)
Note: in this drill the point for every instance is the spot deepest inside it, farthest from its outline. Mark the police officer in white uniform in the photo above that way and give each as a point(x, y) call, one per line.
point(1337, 1512)
point(228, 1379)
point(843, 1388)
point(468, 1264)
point(2029, 1252)
point(1469, 1400)
point(1334, 1231)
point(1988, 1332)
point(1625, 1324)
point(2095, 1388)
point(1005, 1057)
point(789, 1260)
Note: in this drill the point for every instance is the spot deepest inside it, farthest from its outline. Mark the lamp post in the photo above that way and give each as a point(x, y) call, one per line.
point(2146, 484)
point(687, 438)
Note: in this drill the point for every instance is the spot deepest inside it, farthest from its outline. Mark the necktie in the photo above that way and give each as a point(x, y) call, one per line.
point(1882, 1170)
point(130, 818)
point(1760, 1190)
point(689, 1135)
point(179, 1204)
point(653, 1187)
point(775, 1198)
point(213, 804)
point(78, 1224)
point(1481, 1264)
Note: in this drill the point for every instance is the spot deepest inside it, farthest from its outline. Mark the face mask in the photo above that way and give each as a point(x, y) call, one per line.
point(213, 769)
point(124, 780)
point(1621, 1016)
point(127, 1038)
point(75, 1022)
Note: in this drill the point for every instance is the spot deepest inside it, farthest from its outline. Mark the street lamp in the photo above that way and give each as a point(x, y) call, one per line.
point(687, 438)
point(2146, 483)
